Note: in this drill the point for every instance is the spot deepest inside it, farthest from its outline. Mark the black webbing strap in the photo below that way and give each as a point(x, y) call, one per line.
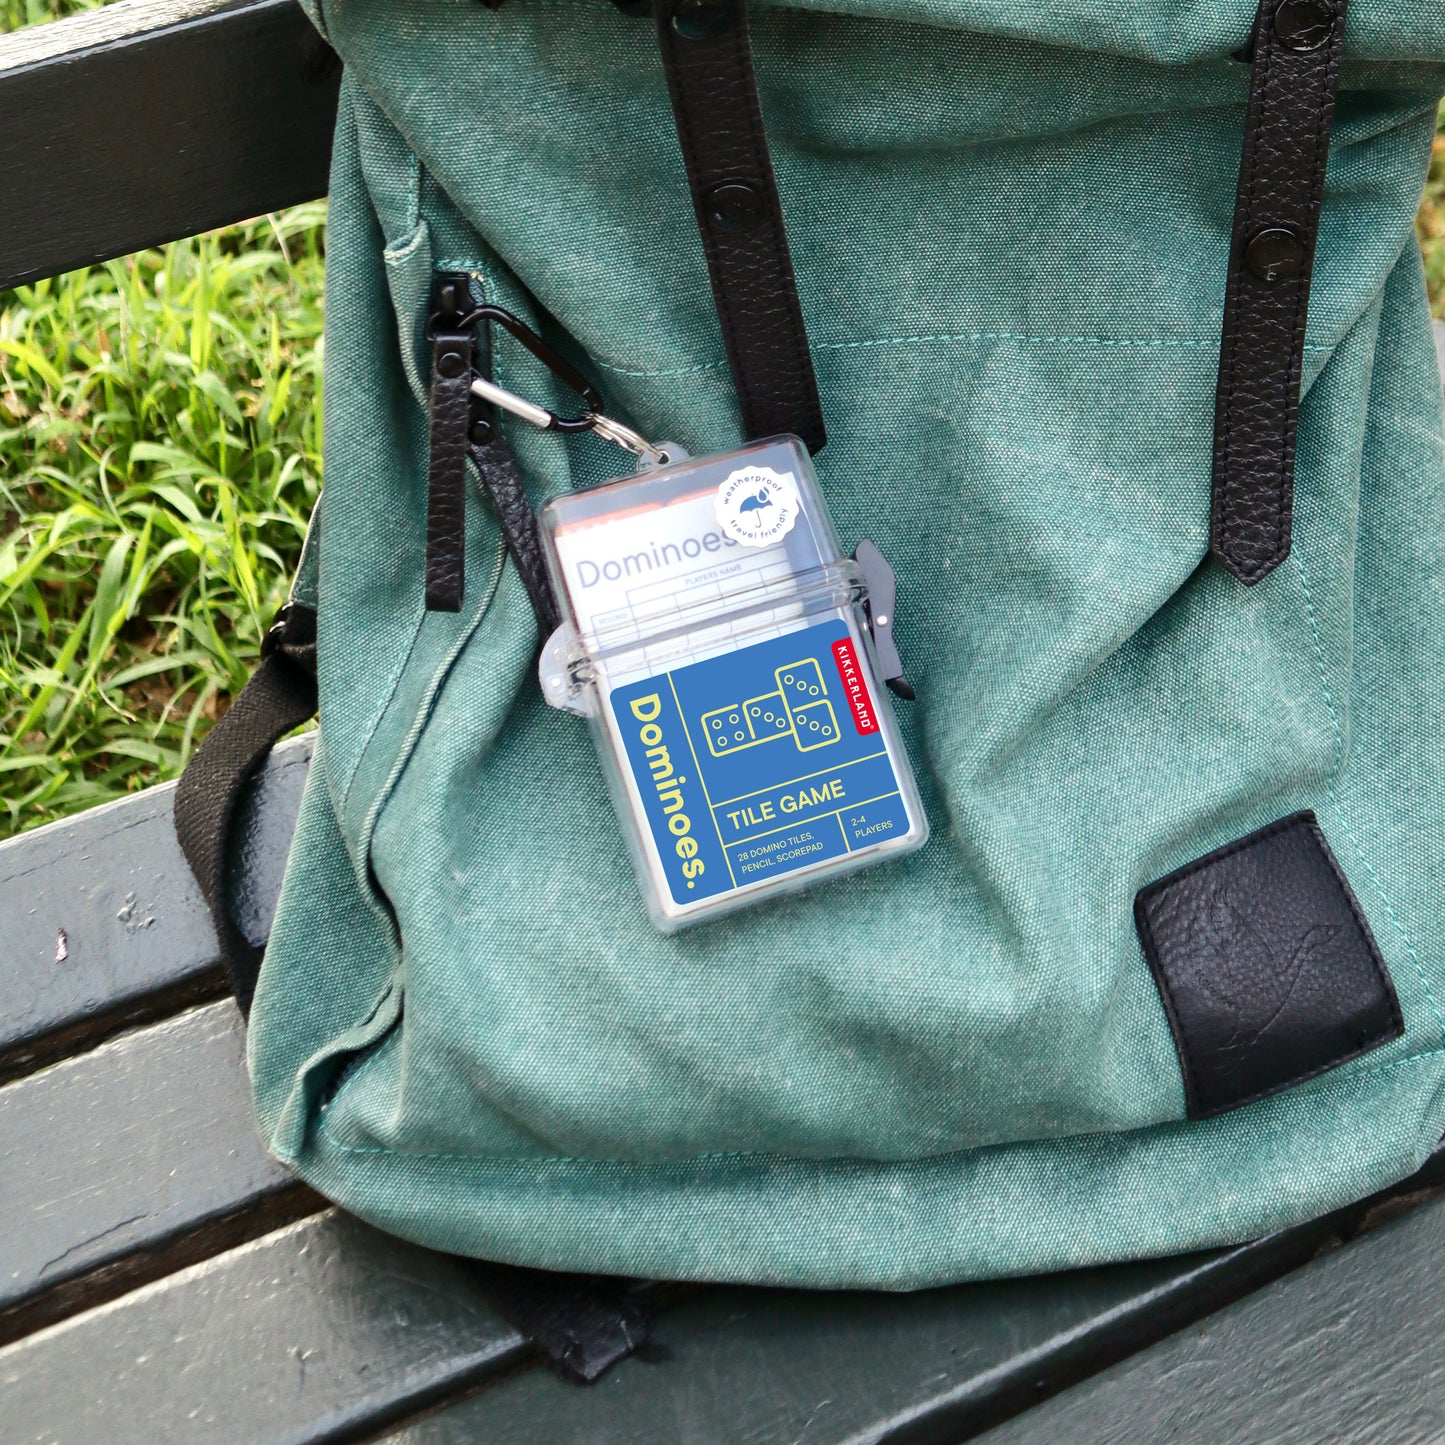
point(280, 696)
point(1296, 60)
point(709, 68)
point(581, 1324)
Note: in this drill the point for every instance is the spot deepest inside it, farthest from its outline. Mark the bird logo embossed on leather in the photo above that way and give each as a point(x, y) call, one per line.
point(1253, 980)
point(1266, 966)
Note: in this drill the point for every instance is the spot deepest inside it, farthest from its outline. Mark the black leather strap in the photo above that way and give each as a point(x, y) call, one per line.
point(581, 1324)
point(498, 471)
point(1281, 185)
point(281, 695)
point(709, 67)
point(450, 413)
point(461, 427)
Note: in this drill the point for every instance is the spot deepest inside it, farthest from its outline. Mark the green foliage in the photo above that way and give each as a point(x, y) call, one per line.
point(1431, 223)
point(16, 14)
point(160, 452)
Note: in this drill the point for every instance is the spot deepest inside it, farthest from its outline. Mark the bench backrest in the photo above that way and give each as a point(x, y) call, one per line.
point(150, 120)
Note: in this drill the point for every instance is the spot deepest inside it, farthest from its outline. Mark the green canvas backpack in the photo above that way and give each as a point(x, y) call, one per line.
point(1152, 439)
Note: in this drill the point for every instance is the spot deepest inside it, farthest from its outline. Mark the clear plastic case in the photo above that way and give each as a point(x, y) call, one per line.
point(715, 636)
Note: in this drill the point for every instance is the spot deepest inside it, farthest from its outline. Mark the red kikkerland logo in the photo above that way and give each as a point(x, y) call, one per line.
point(854, 687)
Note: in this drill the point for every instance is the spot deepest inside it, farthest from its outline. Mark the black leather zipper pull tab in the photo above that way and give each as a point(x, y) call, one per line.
point(449, 411)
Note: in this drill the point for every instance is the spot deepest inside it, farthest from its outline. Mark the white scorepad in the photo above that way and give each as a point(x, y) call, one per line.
point(629, 572)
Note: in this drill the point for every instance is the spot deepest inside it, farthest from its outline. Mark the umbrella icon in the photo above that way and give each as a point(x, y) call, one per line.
point(755, 503)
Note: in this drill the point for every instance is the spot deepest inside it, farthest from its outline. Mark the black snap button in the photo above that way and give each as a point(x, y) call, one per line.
point(1275, 255)
point(702, 19)
point(481, 432)
point(450, 363)
point(735, 206)
point(1304, 25)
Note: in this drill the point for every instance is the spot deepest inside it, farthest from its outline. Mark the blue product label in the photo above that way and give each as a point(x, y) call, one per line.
point(759, 762)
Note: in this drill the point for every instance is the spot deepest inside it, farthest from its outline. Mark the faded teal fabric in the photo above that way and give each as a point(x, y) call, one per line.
point(1010, 225)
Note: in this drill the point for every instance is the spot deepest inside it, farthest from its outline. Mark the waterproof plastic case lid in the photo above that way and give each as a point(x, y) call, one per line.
point(714, 635)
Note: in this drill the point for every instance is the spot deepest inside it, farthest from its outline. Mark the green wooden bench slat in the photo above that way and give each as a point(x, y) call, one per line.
point(941, 1365)
point(1349, 1349)
point(102, 925)
point(111, 1161)
point(154, 119)
point(317, 1331)
point(325, 1328)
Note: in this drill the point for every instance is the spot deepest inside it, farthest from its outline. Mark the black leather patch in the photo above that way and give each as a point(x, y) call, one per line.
point(1266, 966)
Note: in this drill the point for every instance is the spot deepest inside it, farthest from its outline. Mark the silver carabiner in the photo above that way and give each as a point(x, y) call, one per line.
point(517, 405)
point(607, 427)
point(593, 419)
point(612, 430)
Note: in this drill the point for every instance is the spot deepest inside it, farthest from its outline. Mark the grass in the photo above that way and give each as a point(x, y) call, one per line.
point(16, 14)
point(160, 451)
point(1431, 222)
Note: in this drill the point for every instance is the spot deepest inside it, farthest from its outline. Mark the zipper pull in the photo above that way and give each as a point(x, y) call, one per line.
point(453, 344)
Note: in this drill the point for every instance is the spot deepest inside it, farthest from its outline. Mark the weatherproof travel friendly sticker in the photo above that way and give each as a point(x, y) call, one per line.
point(757, 506)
